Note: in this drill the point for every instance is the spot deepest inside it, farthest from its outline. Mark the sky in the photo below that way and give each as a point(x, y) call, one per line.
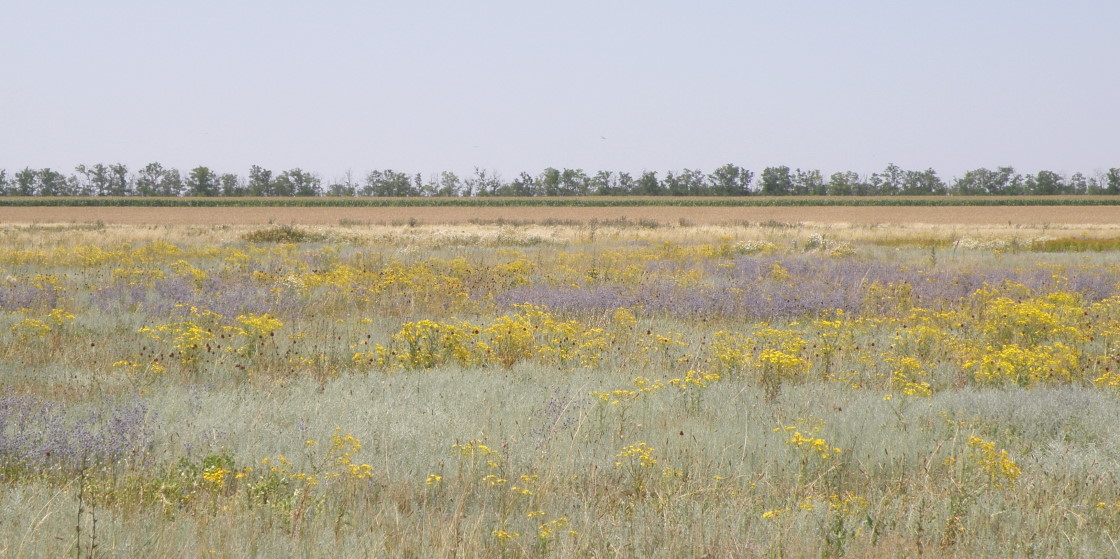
point(511, 86)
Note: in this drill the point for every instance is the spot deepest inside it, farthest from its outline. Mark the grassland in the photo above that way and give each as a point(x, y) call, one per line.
point(573, 385)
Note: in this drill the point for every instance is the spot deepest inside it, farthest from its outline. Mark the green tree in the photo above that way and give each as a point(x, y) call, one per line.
point(230, 184)
point(1046, 183)
point(52, 183)
point(449, 184)
point(344, 186)
point(387, 183)
point(172, 183)
point(150, 179)
point(890, 181)
point(95, 180)
point(1112, 181)
point(626, 184)
point(604, 183)
point(574, 182)
point(842, 183)
point(807, 183)
point(694, 183)
point(776, 181)
point(260, 182)
point(549, 182)
point(523, 185)
point(1078, 184)
point(120, 181)
point(1000, 182)
point(731, 180)
point(297, 182)
point(25, 182)
point(673, 185)
point(202, 182)
point(484, 183)
point(648, 185)
point(916, 183)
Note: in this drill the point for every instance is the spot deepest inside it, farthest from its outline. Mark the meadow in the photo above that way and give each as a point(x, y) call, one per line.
point(559, 388)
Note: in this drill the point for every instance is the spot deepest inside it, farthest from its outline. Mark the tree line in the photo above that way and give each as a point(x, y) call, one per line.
point(729, 180)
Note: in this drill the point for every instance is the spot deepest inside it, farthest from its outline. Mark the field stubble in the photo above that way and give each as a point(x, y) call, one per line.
point(964, 215)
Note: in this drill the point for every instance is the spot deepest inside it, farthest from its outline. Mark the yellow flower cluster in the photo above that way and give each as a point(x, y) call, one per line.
point(813, 444)
point(1026, 366)
point(637, 453)
point(531, 334)
point(996, 464)
point(642, 387)
point(694, 380)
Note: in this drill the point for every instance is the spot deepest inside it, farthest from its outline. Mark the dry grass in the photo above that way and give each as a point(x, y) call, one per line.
point(1008, 215)
point(545, 232)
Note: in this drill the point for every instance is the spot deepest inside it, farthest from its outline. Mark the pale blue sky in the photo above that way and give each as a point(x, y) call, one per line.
point(428, 86)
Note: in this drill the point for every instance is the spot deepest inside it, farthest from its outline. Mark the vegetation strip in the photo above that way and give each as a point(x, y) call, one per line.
point(574, 201)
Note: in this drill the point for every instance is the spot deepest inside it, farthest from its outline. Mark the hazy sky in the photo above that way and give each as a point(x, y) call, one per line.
point(423, 86)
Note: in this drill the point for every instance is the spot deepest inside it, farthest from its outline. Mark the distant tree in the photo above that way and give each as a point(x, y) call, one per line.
point(172, 183)
point(806, 183)
point(449, 184)
point(694, 182)
point(626, 184)
point(549, 181)
point(672, 184)
point(1078, 184)
point(202, 182)
point(776, 181)
point(53, 183)
point(4, 183)
point(94, 180)
point(1112, 181)
point(1001, 182)
point(1096, 183)
point(230, 184)
point(731, 180)
point(484, 183)
point(422, 187)
point(120, 181)
point(917, 183)
point(401, 184)
point(148, 179)
point(523, 185)
point(25, 182)
point(604, 183)
point(1045, 183)
point(387, 183)
point(649, 185)
point(842, 183)
point(344, 187)
point(297, 182)
point(890, 181)
point(574, 182)
point(260, 182)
